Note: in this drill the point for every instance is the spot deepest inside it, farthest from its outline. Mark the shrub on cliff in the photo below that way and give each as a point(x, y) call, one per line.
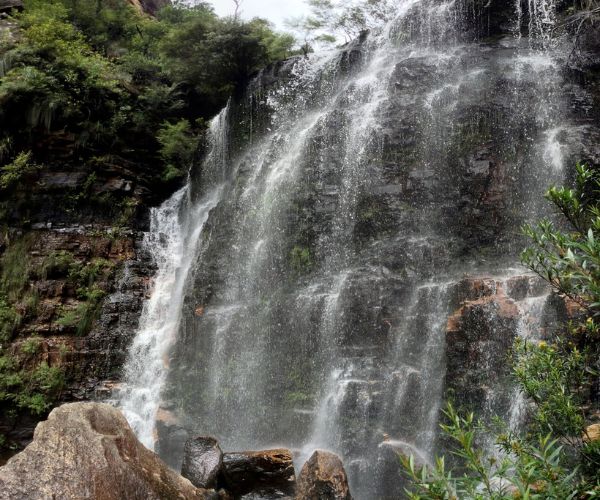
point(102, 78)
point(558, 454)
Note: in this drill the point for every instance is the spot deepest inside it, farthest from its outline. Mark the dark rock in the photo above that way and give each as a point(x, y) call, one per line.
point(268, 473)
point(323, 477)
point(171, 438)
point(202, 461)
point(88, 450)
point(8, 5)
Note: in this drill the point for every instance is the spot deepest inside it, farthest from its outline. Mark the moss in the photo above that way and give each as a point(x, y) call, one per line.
point(300, 260)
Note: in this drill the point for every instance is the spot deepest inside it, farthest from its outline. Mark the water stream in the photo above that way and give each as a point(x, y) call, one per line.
point(307, 271)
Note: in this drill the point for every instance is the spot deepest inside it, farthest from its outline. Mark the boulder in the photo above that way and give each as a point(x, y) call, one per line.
point(88, 451)
point(323, 477)
point(266, 474)
point(592, 433)
point(202, 461)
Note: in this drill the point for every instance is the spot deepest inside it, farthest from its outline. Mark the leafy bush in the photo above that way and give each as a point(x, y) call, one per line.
point(554, 456)
point(15, 268)
point(9, 319)
point(178, 145)
point(34, 390)
point(85, 313)
point(14, 171)
point(31, 345)
point(110, 77)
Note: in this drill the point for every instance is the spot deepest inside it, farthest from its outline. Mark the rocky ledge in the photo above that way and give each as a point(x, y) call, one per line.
point(88, 451)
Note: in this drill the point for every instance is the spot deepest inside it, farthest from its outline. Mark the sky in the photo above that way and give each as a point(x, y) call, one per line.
point(275, 11)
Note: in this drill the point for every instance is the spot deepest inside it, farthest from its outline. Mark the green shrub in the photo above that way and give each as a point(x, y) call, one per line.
point(31, 345)
point(178, 146)
point(551, 458)
point(83, 316)
point(33, 390)
point(58, 264)
point(9, 319)
point(15, 268)
point(13, 172)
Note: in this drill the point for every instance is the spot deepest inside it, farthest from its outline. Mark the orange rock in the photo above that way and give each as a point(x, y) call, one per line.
point(199, 311)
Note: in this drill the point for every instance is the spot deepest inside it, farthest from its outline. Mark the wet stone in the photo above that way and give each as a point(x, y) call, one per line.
point(202, 461)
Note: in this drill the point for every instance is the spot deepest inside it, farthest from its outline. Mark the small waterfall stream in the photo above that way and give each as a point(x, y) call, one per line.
point(173, 241)
point(344, 205)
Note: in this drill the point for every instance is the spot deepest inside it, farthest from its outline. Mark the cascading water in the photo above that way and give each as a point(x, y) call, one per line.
point(358, 190)
point(173, 241)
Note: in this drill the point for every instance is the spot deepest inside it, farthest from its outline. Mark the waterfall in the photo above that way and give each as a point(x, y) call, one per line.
point(363, 190)
point(173, 241)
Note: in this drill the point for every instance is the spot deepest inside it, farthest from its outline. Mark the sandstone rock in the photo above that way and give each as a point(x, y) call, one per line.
point(323, 477)
point(268, 473)
point(88, 450)
point(202, 461)
point(592, 433)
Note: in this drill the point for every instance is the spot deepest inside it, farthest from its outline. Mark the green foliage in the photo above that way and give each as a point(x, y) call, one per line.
point(553, 377)
point(15, 268)
point(111, 78)
point(31, 345)
point(300, 259)
point(14, 171)
point(528, 469)
point(9, 319)
point(570, 261)
point(553, 457)
point(331, 20)
point(58, 264)
point(85, 313)
point(178, 145)
point(32, 390)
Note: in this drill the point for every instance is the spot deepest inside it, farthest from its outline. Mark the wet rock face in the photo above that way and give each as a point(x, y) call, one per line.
point(259, 474)
point(202, 461)
point(88, 450)
point(478, 337)
point(492, 313)
point(89, 356)
point(323, 477)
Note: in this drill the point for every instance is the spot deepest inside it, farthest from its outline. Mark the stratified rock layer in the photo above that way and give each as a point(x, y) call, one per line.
point(88, 450)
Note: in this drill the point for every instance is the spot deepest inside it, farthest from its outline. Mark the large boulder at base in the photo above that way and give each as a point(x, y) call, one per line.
point(202, 461)
point(88, 451)
point(259, 474)
point(323, 477)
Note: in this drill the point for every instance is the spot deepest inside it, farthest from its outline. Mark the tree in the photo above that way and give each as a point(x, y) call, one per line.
point(238, 4)
point(557, 456)
point(334, 20)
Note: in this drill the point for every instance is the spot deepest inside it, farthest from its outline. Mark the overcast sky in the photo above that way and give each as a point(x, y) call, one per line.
point(275, 11)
